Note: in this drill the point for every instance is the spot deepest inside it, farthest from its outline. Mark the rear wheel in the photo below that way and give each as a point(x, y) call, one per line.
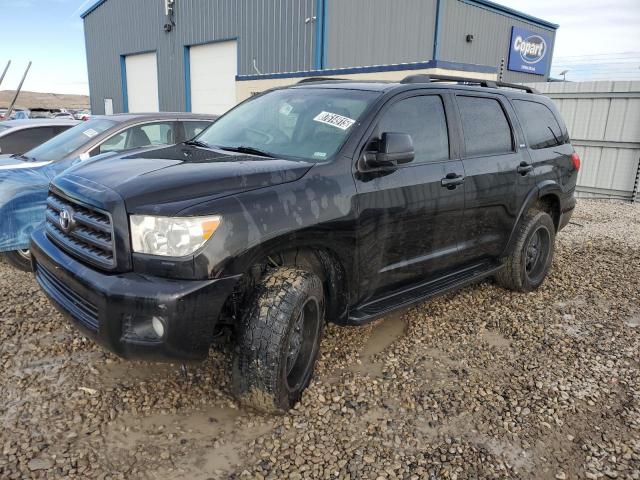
point(20, 259)
point(279, 340)
point(527, 265)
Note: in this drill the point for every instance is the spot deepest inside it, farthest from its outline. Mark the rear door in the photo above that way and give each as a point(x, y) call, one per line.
point(408, 221)
point(547, 141)
point(497, 174)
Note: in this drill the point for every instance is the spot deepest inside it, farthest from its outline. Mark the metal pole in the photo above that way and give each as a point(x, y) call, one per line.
point(635, 196)
point(501, 73)
point(5, 71)
point(8, 114)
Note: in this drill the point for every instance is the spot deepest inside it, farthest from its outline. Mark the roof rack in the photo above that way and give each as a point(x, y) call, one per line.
point(322, 79)
point(428, 78)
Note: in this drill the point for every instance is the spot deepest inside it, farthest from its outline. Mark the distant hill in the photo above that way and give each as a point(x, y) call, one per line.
point(43, 100)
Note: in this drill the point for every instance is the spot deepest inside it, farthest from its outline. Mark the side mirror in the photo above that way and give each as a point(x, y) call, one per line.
point(393, 149)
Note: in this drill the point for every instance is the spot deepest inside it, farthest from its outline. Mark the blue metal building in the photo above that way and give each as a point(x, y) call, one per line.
point(178, 55)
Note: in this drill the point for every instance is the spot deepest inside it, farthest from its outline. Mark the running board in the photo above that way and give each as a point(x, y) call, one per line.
point(406, 298)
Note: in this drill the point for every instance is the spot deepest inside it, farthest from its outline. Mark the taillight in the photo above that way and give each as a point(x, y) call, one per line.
point(575, 159)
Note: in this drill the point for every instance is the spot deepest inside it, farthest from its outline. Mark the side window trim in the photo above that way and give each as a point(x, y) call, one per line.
point(448, 117)
point(502, 102)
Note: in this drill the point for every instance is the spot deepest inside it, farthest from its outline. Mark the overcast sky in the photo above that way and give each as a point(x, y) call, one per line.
point(590, 33)
point(597, 40)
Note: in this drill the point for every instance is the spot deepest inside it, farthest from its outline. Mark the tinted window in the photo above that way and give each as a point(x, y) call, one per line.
point(485, 126)
point(61, 128)
point(424, 119)
point(21, 141)
point(540, 125)
point(308, 123)
point(137, 136)
point(191, 129)
point(62, 145)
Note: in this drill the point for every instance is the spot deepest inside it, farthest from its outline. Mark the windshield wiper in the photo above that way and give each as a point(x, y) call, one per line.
point(248, 150)
point(197, 143)
point(23, 157)
point(554, 135)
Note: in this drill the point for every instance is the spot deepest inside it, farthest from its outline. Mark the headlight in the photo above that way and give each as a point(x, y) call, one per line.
point(171, 237)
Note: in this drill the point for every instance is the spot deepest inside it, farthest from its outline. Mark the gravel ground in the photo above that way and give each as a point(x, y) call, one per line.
point(483, 383)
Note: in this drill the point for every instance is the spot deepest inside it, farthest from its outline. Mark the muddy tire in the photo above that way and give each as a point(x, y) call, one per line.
point(279, 340)
point(530, 260)
point(20, 259)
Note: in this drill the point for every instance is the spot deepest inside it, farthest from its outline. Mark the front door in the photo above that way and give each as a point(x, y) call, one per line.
point(408, 220)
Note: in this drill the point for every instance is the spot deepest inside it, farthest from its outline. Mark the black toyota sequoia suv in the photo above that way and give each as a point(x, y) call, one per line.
point(329, 200)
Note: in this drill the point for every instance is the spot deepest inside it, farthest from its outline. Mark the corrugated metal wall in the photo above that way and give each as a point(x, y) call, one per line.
point(377, 32)
point(280, 35)
point(274, 33)
point(491, 37)
point(603, 119)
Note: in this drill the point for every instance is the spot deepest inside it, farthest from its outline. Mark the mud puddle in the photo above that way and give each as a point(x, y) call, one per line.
point(116, 372)
point(633, 321)
point(200, 444)
point(495, 339)
point(384, 334)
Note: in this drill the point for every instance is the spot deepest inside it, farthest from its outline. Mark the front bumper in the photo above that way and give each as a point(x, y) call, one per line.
point(104, 305)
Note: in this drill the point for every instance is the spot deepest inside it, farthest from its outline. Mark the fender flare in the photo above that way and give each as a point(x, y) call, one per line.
point(329, 263)
point(542, 189)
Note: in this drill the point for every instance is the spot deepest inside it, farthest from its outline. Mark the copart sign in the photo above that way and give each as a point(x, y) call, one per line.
point(529, 52)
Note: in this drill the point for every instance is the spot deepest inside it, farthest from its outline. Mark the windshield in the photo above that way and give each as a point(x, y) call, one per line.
point(299, 122)
point(62, 145)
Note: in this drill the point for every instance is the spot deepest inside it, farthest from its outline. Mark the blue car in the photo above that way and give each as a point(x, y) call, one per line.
point(24, 178)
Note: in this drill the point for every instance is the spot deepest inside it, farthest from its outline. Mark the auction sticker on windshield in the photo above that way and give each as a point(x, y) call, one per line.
point(334, 120)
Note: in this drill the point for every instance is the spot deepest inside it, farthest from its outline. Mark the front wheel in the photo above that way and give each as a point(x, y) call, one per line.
point(20, 259)
point(527, 265)
point(279, 340)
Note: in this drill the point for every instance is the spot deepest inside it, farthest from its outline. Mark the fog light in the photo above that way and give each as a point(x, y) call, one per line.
point(158, 326)
point(138, 327)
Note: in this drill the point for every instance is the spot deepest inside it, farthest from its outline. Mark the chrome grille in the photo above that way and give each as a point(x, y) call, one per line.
point(89, 235)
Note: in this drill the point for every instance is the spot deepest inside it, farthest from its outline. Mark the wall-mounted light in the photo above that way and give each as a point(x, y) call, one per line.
point(168, 12)
point(469, 38)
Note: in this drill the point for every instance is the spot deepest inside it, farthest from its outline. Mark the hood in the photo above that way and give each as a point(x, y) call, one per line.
point(167, 180)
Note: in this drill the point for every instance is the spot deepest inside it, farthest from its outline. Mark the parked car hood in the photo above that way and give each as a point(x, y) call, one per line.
point(166, 180)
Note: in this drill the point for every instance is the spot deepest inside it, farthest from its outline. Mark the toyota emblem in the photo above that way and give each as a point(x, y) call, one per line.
point(66, 220)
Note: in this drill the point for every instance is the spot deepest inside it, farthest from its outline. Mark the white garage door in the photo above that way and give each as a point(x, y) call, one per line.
point(213, 68)
point(142, 82)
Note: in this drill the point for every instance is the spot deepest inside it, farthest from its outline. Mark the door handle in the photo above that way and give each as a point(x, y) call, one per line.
point(452, 180)
point(524, 168)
